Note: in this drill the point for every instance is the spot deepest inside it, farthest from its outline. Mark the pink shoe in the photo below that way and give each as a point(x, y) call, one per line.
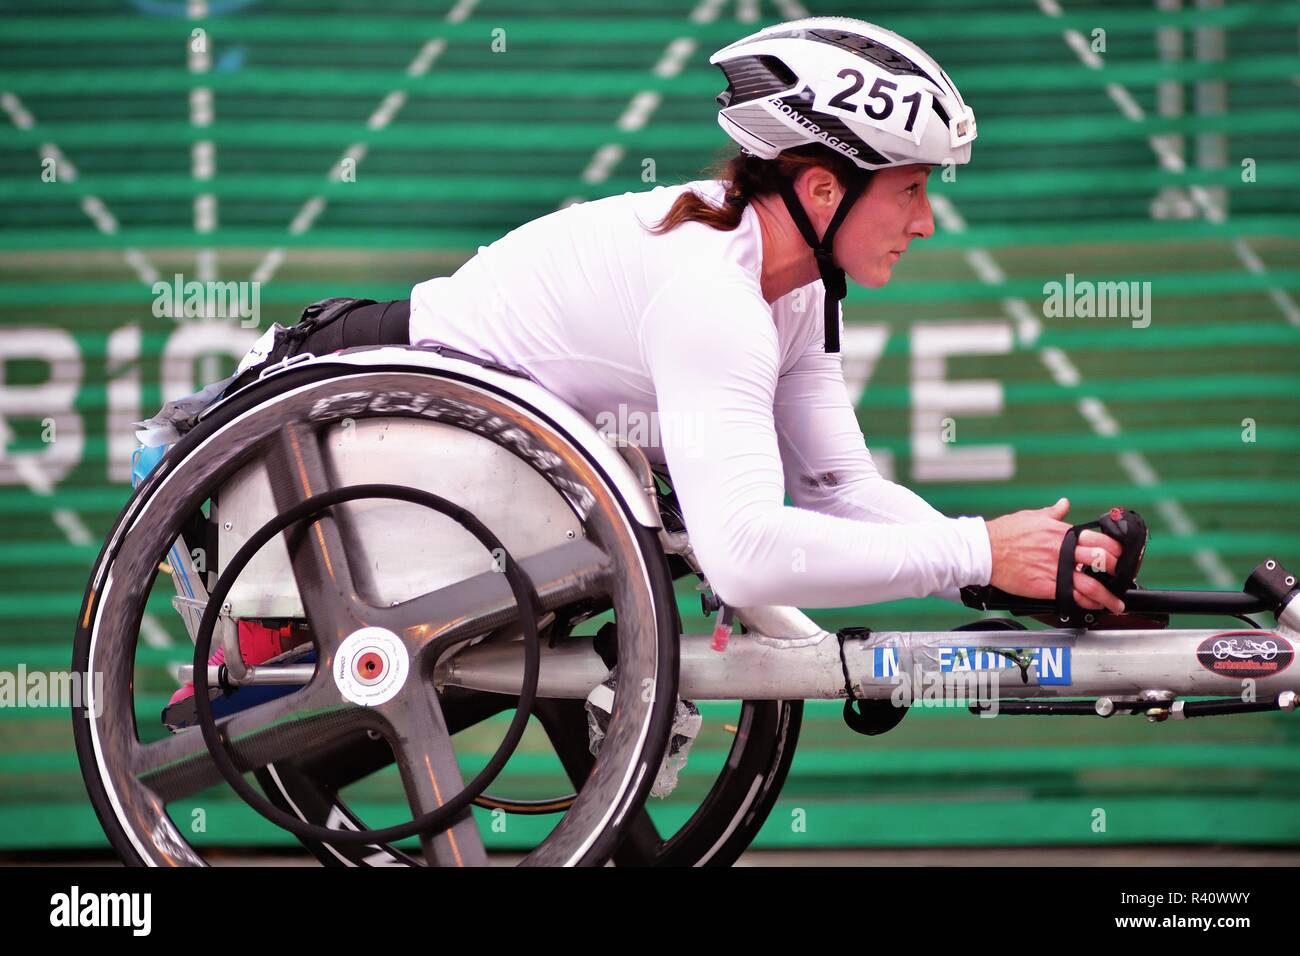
point(257, 645)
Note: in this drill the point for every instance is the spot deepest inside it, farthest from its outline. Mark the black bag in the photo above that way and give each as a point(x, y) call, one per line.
point(289, 341)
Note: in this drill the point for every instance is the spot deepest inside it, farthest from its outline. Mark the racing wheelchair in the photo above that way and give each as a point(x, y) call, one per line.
point(428, 533)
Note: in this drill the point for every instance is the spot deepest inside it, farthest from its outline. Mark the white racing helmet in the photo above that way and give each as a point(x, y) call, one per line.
point(849, 86)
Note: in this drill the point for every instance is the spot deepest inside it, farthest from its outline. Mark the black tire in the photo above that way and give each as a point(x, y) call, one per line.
point(741, 800)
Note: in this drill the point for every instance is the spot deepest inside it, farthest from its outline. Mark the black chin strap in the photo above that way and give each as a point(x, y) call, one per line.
point(823, 248)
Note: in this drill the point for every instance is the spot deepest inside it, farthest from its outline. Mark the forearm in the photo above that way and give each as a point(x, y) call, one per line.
point(828, 468)
point(784, 555)
point(876, 499)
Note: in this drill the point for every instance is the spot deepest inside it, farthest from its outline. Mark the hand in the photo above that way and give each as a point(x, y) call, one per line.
point(1026, 547)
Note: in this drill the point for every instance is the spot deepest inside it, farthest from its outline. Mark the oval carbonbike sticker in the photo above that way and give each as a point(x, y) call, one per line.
point(1245, 654)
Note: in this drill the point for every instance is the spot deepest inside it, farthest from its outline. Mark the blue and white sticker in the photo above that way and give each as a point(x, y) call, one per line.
point(1051, 664)
point(884, 662)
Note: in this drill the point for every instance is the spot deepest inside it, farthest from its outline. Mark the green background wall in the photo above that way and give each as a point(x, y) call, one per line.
point(1174, 159)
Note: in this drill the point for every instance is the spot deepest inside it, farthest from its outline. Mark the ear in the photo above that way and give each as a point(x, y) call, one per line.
point(818, 188)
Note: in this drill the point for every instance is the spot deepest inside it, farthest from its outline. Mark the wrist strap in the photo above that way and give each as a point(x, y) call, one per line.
point(1125, 526)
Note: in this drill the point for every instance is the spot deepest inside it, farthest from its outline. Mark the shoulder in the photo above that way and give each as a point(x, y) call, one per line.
point(715, 287)
point(697, 249)
point(716, 316)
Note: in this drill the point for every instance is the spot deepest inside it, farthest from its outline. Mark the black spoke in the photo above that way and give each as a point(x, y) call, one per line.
point(326, 586)
point(565, 723)
point(427, 762)
point(180, 765)
point(475, 606)
point(344, 763)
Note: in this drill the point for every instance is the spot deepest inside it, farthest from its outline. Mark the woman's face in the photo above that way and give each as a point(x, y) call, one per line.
point(892, 212)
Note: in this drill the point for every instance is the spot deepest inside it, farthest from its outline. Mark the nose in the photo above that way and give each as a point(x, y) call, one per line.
point(923, 227)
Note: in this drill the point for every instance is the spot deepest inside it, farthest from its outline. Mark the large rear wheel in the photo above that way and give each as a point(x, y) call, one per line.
point(290, 427)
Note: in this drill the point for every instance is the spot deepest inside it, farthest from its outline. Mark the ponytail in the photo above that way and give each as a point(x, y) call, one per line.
point(747, 176)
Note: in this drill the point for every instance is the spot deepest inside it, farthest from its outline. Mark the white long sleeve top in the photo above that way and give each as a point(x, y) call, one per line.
point(668, 341)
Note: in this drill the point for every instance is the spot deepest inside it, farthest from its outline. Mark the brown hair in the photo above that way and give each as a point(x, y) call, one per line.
point(748, 176)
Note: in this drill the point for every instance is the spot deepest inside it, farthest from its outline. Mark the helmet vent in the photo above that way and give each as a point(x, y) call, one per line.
point(891, 60)
point(865, 47)
point(753, 76)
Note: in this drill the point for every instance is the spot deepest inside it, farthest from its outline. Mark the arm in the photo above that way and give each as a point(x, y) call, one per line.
point(712, 352)
point(828, 467)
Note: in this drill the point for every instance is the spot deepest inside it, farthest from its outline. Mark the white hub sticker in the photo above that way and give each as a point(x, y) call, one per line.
point(371, 666)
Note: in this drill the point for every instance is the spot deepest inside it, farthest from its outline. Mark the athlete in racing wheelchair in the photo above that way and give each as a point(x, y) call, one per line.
point(411, 509)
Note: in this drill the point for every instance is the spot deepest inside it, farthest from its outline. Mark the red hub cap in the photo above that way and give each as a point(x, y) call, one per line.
point(370, 666)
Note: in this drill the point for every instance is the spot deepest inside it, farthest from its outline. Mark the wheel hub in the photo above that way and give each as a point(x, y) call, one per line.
point(371, 666)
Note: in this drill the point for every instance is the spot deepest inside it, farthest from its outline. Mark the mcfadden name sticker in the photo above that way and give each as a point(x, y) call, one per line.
point(1051, 665)
point(1245, 653)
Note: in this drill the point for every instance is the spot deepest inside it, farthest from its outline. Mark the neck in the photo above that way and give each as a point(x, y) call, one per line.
point(788, 263)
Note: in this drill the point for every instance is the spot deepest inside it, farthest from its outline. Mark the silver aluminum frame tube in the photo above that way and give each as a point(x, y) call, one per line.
point(1073, 663)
